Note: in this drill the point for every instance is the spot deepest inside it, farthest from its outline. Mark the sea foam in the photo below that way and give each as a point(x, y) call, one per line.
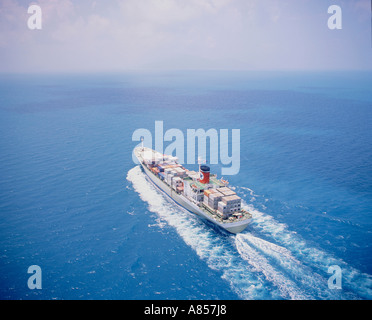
point(283, 268)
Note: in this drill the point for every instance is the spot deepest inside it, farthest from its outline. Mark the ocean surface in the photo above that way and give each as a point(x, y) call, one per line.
point(73, 202)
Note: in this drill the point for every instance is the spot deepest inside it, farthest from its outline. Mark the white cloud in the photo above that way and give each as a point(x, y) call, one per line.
point(197, 34)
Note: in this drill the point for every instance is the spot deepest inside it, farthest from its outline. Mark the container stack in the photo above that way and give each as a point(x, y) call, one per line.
point(229, 204)
point(207, 193)
point(222, 209)
point(169, 177)
point(226, 191)
point(214, 198)
point(193, 175)
point(167, 171)
point(177, 182)
point(155, 170)
point(224, 200)
point(180, 172)
point(164, 166)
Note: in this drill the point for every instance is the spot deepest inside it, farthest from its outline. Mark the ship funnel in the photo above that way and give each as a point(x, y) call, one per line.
point(204, 172)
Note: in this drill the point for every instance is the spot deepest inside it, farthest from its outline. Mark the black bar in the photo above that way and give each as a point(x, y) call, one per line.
point(194, 309)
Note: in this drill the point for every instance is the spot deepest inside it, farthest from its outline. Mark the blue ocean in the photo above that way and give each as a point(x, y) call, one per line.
point(73, 202)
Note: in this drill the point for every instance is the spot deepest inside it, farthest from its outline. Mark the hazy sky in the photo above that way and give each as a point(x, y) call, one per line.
point(119, 35)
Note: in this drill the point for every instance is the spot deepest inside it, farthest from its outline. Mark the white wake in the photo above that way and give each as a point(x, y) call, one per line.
point(284, 268)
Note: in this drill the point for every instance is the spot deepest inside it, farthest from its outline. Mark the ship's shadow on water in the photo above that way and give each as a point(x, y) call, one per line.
point(266, 261)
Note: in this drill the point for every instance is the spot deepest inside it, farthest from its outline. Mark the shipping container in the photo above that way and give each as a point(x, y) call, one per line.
point(226, 191)
point(215, 196)
point(209, 191)
point(231, 199)
point(155, 170)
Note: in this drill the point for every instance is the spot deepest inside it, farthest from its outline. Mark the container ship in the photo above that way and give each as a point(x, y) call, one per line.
point(200, 193)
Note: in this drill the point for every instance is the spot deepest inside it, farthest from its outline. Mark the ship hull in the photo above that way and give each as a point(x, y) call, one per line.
point(183, 202)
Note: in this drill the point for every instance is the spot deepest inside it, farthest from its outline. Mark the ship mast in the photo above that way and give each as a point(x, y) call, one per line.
point(201, 161)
